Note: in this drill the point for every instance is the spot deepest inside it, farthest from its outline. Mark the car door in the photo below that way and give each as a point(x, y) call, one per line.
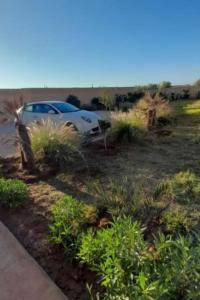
point(37, 112)
point(27, 114)
point(43, 111)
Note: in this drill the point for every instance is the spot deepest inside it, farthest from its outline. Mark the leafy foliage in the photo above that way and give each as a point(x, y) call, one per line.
point(184, 188)
point(74, 100)
point(176, 221)
point(13, 192)
point(165, 84)
point(96, 103)
point(55, 144)
point(69, 218)
point(131, 268)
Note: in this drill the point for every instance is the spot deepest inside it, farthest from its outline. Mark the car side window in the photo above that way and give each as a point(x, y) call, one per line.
point(28, 108)
point(42, 108)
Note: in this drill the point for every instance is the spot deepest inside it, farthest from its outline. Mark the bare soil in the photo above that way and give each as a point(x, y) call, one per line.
point(29, 224)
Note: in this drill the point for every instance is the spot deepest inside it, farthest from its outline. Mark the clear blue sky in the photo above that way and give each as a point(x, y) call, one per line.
point(65, 43)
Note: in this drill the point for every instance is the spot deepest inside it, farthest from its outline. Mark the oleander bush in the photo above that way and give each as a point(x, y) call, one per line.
point(13, 192)
point(132, 268)
point(70, 218)
point(183, 187)
point(55, 144)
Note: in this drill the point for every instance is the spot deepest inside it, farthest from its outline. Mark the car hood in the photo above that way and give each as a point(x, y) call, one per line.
point(89, 114)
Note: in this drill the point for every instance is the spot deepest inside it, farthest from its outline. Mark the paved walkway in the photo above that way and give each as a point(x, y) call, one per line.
point(21, 278)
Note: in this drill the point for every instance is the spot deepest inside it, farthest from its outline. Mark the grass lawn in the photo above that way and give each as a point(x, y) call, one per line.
point(145, 164)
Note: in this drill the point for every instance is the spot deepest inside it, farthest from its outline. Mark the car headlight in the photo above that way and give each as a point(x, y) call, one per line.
point(88, 120)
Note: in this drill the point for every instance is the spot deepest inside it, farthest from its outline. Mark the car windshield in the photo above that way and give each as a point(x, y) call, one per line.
point(65, 107)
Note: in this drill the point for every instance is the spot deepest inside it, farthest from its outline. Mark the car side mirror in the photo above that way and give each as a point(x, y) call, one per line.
point(51, 112)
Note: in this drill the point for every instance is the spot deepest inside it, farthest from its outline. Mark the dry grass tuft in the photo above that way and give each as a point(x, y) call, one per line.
point(54, 143)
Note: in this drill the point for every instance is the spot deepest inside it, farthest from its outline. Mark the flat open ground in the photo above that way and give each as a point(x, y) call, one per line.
point(148, 162)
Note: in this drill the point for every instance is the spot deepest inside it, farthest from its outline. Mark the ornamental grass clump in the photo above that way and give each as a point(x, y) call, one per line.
point(183, 187)
point(54, 144)
point(126, 127)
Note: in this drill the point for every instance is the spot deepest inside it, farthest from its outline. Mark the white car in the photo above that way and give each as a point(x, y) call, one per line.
point(84, 121)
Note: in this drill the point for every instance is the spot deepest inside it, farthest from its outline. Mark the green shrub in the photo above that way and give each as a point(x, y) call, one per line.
point(55, 144)
point(74, 100)
point(96, 104)
point(175, 221)
point(165, 84)
point(131, 268)
point(183, 187)
point(13, 192)
point(69, 218)
point(114, 253)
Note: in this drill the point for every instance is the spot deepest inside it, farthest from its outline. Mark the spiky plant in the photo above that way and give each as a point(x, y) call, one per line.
point(153, 106)
point(8, 113)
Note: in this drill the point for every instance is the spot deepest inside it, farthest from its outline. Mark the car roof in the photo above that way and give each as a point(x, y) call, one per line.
point(46, 102)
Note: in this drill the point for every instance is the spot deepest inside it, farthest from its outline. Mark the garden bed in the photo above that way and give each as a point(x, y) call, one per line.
point(29, 223)
point(145, 164)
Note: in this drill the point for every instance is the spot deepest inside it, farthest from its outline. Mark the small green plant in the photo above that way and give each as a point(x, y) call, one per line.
point(126, 127)
point(69, 218)
point(132, 268)
point(121, 197)
point(115, 253)
point(13, 192)
point(55, 144)
point(175, 221)
point(125, 132)
point(183, 187)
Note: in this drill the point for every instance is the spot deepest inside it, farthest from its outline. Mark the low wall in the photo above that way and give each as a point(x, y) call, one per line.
point(84, 94)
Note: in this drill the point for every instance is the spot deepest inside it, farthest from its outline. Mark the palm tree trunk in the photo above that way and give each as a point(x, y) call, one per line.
point(27, 158)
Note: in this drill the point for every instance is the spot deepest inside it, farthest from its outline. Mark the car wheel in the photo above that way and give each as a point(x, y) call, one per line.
point(70, 124)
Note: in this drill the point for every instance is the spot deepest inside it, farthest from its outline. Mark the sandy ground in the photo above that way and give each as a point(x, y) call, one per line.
point(7, 131)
